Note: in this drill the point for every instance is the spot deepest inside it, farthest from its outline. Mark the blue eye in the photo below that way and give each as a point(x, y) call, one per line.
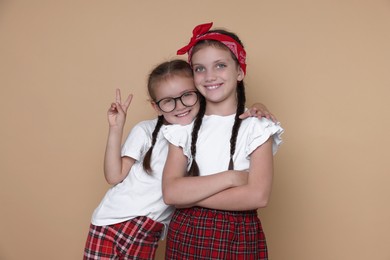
point(199, 69)
point(221, 65)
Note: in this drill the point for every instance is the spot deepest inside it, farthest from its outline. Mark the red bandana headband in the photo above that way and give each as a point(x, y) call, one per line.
point(200, 33)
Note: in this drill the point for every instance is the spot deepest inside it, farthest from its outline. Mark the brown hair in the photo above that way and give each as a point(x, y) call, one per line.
point(241, 99)
point(160, 73)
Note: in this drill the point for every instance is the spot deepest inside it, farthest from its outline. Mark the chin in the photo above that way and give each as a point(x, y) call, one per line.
point(184, 122)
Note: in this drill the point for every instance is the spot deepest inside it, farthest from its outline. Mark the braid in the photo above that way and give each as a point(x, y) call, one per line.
point(194, 169)
point(148, 155)
point(237, 121)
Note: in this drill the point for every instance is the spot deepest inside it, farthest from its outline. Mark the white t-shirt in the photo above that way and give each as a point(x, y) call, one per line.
point(140, 193)
point(213, 144)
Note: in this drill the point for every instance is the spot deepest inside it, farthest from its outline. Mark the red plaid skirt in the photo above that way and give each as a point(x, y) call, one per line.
point(200, 233)
point(134, 239)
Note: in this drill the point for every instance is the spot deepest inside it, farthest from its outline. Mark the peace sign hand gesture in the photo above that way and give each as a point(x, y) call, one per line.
point(117, 112)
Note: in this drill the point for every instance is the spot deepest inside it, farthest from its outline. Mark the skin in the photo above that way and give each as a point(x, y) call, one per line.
point(215, 76)
point(173, 87)
point(116, 167)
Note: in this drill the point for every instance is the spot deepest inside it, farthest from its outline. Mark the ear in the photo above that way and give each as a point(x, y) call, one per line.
point(156, 108)
point(240, 75)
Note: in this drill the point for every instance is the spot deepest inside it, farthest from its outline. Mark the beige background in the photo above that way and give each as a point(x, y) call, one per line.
point(321, 66)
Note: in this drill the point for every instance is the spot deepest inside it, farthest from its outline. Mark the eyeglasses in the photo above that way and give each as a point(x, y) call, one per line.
point(188, 99)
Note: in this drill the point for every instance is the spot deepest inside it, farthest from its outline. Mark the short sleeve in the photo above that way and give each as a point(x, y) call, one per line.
point(136, 142)
point(179, 136)
point(260, 131)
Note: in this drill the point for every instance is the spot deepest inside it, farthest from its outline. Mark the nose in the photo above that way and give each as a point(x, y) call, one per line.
point(210, 76)
point(179, 104)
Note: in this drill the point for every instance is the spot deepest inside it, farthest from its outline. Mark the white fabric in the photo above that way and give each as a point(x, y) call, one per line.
point(139, 194)
point(213, 145)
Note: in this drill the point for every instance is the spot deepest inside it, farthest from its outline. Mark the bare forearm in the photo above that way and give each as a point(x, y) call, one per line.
point(189, 190)
point(112, 157)
point(238, 198)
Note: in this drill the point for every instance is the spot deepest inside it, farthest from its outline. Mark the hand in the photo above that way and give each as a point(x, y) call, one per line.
point(258, 110)
point(117, 112)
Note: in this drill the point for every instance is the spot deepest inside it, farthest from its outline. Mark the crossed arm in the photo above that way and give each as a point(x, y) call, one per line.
point(229, 190)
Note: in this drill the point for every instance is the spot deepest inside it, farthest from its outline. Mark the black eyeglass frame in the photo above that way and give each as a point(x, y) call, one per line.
point(178, 98)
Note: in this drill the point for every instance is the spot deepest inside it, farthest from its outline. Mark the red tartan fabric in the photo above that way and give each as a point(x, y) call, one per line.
point(200, 233)
point(134, 239)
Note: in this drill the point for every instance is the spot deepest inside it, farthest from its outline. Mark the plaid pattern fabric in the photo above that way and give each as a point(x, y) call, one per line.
point(200, 233)
point(133, 239)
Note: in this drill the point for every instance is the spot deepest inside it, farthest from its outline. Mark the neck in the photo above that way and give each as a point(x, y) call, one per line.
point(221, 108)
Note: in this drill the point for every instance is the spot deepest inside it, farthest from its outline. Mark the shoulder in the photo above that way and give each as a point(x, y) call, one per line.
point(261, 127)
point(258, 131)
point(142, 130)
point(177, 134)
point(146, 125)
point(260, 123)
point(177, 128)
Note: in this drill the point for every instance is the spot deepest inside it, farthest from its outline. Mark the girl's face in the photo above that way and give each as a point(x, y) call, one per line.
point(172, 92)
point(216, 74)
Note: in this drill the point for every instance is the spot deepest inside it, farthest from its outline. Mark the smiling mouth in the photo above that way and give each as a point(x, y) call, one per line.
point(183, 114)
point(212, 87)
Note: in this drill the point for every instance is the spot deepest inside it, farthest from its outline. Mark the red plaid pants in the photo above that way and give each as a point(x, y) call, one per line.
point(133, 239)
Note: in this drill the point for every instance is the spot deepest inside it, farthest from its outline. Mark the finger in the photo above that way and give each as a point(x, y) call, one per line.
point(255, 112)
point(252, 111)
point(261, 113)
point(118, 96)
point(112, 108)
point(119, 108)
point(128, 101)
point(244, 115)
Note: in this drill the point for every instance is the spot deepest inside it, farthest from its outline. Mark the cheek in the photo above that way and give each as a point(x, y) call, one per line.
point(195, 108)
point(166, 115)
point(197, 79)
point(201, 90)
point(198, 84)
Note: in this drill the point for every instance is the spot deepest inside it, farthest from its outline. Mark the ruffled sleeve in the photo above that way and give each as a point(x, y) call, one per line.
point(260, 131)
point(179, 136)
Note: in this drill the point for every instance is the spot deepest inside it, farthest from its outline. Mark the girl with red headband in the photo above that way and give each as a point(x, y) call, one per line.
point(209, 223)
point(130, 219)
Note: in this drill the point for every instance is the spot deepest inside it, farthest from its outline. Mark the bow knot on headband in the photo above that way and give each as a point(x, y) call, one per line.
point(201, 32)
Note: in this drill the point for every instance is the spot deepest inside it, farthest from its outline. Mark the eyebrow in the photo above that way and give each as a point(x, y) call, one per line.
point(216, 61)
point(181, 93)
